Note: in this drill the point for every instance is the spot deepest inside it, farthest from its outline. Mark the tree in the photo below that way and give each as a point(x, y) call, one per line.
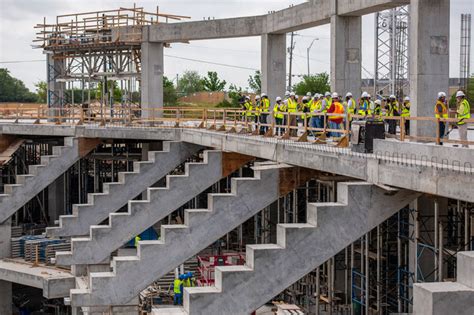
point(212, 82)
point(169, 92)
point(42, 91)
point(14, 90)
point(255, 82)
point(190, 82)
point(116, 91)
point(318, 83)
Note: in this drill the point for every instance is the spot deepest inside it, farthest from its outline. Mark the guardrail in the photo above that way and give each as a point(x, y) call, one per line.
point(230, 120)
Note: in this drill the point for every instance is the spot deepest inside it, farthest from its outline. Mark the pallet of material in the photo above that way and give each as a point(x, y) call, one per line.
point(35, 250)
point(53, 248)
point(18, 244)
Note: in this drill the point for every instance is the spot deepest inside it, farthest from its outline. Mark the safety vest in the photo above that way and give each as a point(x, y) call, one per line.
point(328, 101)
point(177, 286)
point(406, 110)
point(292, 106)
point(464, 111)
point(339, 109)
point(278, 111)
point(248, 109)
point(265, 105)
point(137, 239)
point(350, 106)
point(392, 108)
point(187, 283)
point(316, 106)
point(441, 111)
point(364, 108)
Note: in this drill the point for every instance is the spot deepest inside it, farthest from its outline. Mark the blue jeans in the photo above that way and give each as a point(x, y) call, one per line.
point(178, 299)
point(333, 125)
point(316, 122)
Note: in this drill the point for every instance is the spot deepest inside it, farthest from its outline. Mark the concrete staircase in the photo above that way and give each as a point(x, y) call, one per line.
point(40, 176)
point(141, 214)
point(130, 185)
point(300, 248)
point(201, 228)
point(439, 298)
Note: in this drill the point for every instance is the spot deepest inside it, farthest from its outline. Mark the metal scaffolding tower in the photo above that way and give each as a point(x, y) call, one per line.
point(391, 52)
point(465, 51)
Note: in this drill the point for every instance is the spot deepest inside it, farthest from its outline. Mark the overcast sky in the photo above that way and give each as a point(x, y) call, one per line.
point(17, 18)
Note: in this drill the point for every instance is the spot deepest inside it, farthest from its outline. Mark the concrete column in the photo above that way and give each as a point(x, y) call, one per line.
point(346, 41)
point(273, 66)
point(56, 199)
point(429, 59)
point(152, 77)
point(5, 286)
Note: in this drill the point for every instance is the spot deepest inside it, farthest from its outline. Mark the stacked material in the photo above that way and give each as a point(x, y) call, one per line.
point(53, 248)
point(18, 244)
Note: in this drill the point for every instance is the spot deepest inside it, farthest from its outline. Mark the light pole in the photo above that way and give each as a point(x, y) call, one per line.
point(308, 49)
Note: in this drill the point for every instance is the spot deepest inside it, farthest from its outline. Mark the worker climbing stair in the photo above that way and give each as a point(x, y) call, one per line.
point(130, 184)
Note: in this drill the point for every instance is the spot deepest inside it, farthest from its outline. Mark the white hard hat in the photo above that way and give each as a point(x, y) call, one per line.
point(406, 99)
point(316, 95)
point(335, 95)
point(460, 94)
point(364, 94)
point(308, 94)
point(292, 94)
point(264, 94)
point(327, 94)
point(378, 102)
point(278, 99)
point(257, 97)
point(441, 94)
point(392, 97)
point(247, 97)
point(305, 98)
point(349, 94)
point(287, 93)
point(368, 95)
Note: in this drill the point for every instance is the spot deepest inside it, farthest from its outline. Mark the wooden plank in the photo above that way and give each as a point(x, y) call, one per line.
point(233, 161)
point(293, 177)
point(86, 145)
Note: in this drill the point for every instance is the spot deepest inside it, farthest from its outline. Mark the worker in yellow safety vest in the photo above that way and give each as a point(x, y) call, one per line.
point(406, 113)
point(248, 107)
point(392, 110)
point(178, 290)
point(463, 112)
point(137, 239)
point(364, 105)
point(441, 112)
point(315, 112)
point(292, 107)
point(264, 110)
point(278, 110)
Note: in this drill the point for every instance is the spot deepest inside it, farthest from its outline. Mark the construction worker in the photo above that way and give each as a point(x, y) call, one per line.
point(304, 107)
point(178, 290)
point(248, 107)
point(256, 110)
point(315, 110)
point(463, 112)
point(378, 109)
point(393, 110)
point(371, 105)
point(441, 111)
point(349, 104)
point(278, 110)
point(335, 122)
point(292, 107)
point(137, 239)
point(265, 110)
point(363, 108)
point(406, 113)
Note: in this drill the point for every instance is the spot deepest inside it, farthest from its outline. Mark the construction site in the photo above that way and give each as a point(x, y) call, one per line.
point(107, 207)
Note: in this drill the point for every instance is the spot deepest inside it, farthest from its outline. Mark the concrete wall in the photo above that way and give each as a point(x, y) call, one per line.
point(274, 66)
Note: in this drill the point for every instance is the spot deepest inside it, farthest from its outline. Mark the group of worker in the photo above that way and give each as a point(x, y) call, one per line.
point(330, 106)
point(184, 280)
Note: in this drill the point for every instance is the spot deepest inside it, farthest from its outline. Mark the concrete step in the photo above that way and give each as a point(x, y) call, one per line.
point(465, 268)
point(130, 184)
point(130, 275)
point(440, 298)
point(39, 177)
point(300, 248)
point(141, 214)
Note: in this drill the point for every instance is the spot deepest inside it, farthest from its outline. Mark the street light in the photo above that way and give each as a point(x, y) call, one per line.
point(308, 49)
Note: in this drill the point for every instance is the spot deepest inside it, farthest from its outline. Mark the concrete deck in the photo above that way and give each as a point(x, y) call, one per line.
point(54, 282)
point(421, 171)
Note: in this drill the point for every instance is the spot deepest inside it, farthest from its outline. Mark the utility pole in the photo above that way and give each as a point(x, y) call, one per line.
point(292, 46)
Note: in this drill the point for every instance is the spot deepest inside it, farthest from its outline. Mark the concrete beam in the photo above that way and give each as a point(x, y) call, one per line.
point(152, 79)
point(54, 282)
point(429, 59)
point(440, 298)
point(274, 65)
point(362, 7)
point(346, 63)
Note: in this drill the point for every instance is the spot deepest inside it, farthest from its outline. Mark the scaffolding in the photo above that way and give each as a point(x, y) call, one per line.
point(94, 58)
point(465, 51)
point(391, 52)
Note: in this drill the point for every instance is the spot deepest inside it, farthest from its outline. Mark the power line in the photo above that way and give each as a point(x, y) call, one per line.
point(23, 61)
point(212, 63)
